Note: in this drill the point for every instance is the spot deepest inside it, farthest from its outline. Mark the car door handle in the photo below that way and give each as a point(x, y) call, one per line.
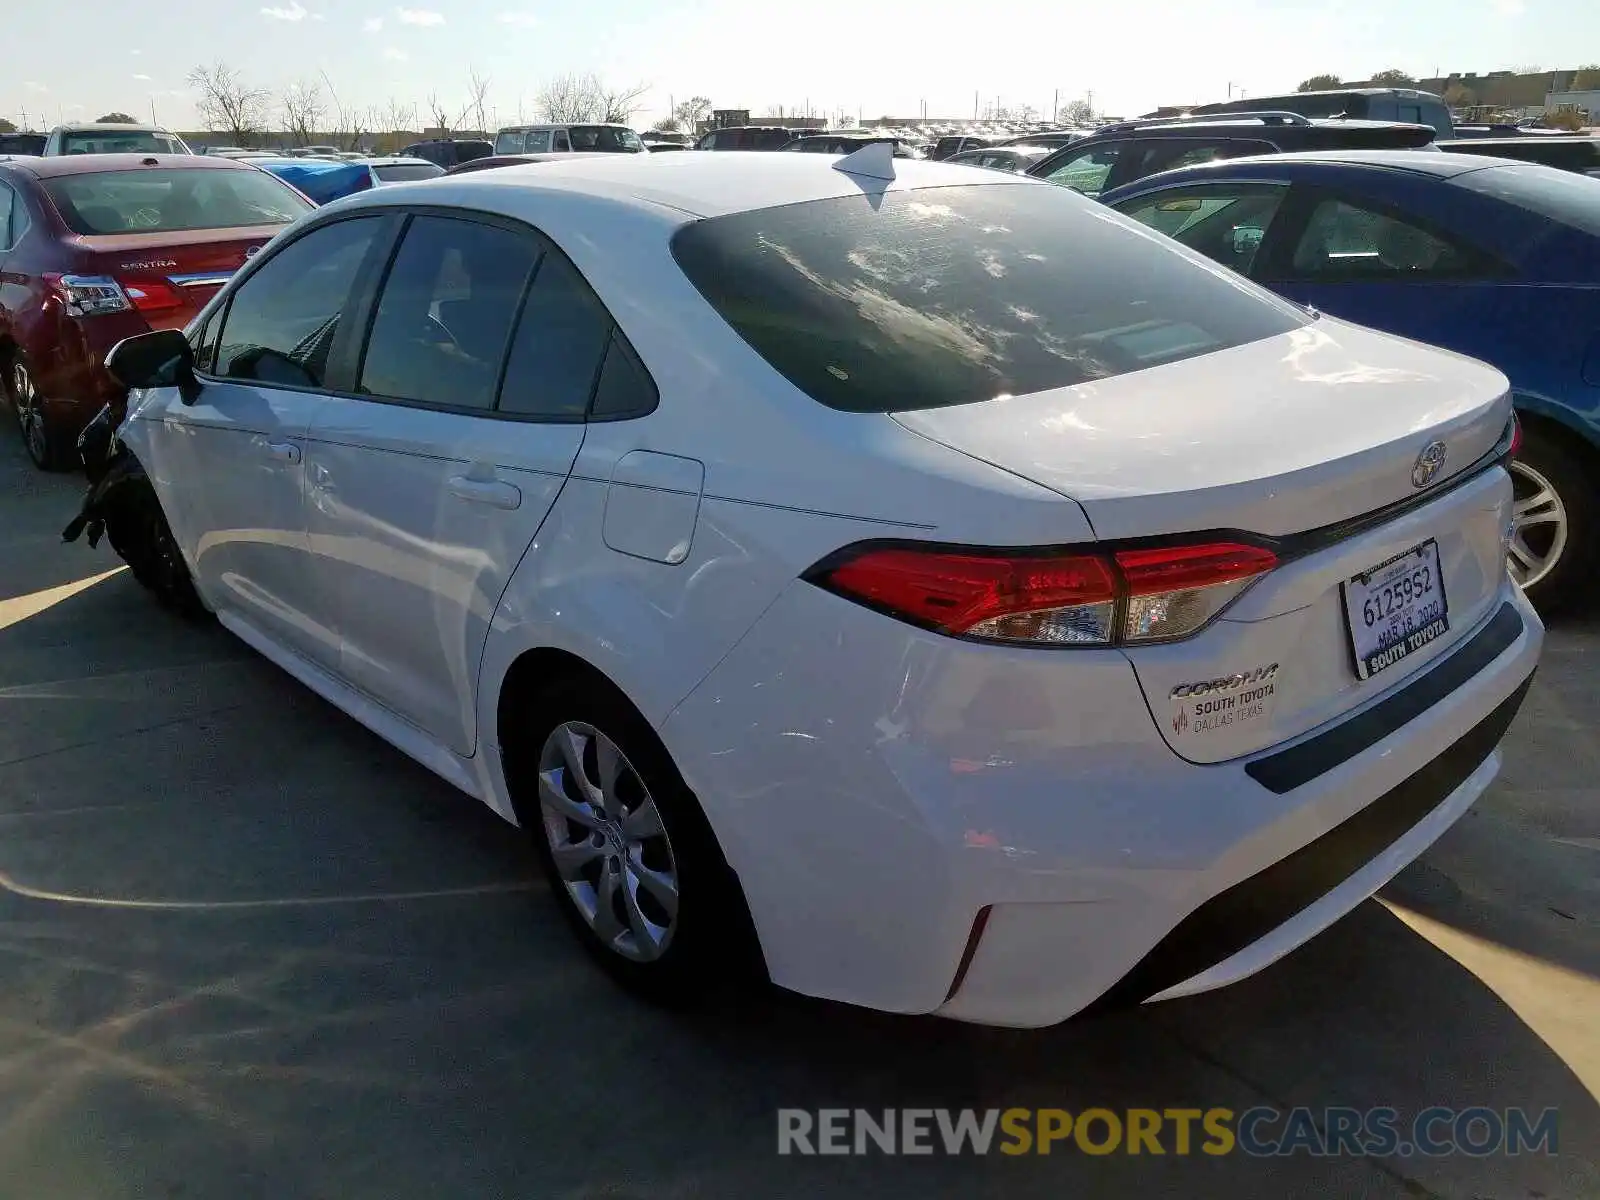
point(486, 491)
point(284, 451)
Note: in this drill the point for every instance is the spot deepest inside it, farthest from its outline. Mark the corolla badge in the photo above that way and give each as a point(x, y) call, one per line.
point(1428, 465)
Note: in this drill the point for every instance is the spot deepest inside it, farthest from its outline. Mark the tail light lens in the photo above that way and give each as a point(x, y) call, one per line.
point(151, 295)
point(1516, 436)
point(1103, 598)
point(89, 295)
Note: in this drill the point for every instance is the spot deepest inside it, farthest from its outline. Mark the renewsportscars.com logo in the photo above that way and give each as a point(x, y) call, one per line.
point(1257, 1132)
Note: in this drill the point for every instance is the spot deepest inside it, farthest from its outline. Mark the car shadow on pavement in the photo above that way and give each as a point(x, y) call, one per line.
point(249, 950)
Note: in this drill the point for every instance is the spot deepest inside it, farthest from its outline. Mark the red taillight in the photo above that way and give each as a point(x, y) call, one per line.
point(1516, 436)
point(1049, 598)
point(151, 295)
point(1178, 568)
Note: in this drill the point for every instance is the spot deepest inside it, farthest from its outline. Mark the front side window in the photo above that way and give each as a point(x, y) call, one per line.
point(444, 314)
point(172, 201)
point(1345, 239)
point(280, 323)
point(1225, 222)
point(955, 295)
point(609, 138)
point(1087, 170)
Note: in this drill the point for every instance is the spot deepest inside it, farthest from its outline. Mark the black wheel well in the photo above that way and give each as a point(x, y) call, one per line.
point(534, 674)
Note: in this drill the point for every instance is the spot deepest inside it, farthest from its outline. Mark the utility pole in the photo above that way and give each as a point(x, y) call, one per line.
point(1055, 107)
point(153, 120)
point(974, 106)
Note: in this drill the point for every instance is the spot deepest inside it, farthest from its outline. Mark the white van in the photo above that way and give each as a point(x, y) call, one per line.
point(564, 139)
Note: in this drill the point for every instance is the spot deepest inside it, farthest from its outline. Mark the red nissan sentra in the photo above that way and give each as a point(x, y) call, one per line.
point(98, 247)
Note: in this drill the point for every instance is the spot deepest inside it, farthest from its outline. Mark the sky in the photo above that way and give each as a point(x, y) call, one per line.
point(837, 56)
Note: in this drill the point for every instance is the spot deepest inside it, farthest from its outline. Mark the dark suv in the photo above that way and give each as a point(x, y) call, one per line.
point(448, 152)
point(1577, 153)
point(1117, 154)
point(746, 137)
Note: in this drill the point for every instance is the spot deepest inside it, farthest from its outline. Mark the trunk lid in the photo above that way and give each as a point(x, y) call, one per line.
point(175, 273)
point(1302, 432)
point(1275, 437)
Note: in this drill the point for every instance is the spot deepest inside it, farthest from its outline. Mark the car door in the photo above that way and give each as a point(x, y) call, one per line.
point(1382, 264)
point(1227, 221)
point(430, 481)
point(230, 468)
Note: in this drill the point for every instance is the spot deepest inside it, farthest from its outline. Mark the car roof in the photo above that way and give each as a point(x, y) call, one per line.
point(111, 127)
point(693, 185)
point(1423, 162)
point(560, 125)
point(1542, 140)
point(378, 160)
point(82, 164)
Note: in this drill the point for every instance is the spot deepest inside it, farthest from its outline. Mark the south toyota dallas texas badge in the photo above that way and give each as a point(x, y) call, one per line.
point(1225, 703)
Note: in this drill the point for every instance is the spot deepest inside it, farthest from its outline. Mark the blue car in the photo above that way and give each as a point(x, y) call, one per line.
point(322, 180)
point(1492, 258)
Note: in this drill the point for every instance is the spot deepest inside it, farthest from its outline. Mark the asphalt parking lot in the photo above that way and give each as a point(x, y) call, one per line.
point(247, 950)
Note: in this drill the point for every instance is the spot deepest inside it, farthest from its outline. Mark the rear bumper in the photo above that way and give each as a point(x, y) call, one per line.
point(879, 789)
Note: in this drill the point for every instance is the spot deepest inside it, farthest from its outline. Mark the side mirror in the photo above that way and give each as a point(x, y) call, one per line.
point(1247, 238)
point(151, 360)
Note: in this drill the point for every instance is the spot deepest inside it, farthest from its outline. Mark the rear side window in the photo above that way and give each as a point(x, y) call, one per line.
point(561, 339)
point(170, 201)
point(281, 322)
point(1344, 239)
point(445, 312)
point(1560, 195)
point(955, 295)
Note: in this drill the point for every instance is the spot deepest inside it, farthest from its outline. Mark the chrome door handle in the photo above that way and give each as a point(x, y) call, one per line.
point(486, 491)
point(284, 451)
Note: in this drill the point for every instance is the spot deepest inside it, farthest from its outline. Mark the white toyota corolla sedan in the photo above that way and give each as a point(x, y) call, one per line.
point(961, 597)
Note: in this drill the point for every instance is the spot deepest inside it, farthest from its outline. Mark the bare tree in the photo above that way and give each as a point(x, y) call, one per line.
point(477, 93)
point(619, 104)
point(114, 118)
point(438, 114)
point(302, 108)
point(689, 113)
point(571, 98)
point(666, 125)
point(225, 102)
point(395, 123)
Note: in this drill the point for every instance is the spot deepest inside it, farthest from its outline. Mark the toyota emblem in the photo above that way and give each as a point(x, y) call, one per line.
point(1428, 465)
point(252, 251)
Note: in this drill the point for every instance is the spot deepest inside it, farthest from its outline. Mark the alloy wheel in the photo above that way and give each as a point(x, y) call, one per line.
point(30, 415)
point(607, 841)
point(1539, 526)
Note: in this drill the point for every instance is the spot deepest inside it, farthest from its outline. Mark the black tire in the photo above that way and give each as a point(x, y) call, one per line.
point(712, 948)
point(46, 447)
point(1551, 458)
point(139, 533)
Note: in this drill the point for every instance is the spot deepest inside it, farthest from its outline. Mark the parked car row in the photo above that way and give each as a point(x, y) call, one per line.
point(919, 586)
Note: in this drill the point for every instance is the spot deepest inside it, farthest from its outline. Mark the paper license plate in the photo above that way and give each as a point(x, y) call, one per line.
point(1395, 609)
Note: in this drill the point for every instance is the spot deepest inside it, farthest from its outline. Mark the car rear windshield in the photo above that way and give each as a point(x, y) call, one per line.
point(129, 141)
point(405, 172)
point(938, 296)
point(1562, 196)
point(167, 201)
point(604, 138)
